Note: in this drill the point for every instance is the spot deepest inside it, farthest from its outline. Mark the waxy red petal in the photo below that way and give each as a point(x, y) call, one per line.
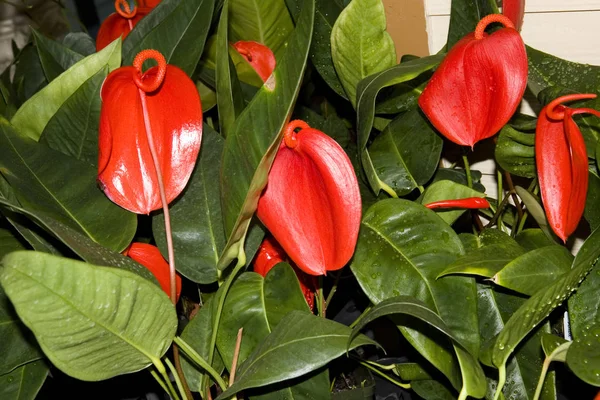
point(467, 203)
point(478, 86)
point(259, 56)
point(312, 203)
point(115, 25)
point(149, 3)
point(150, 257)
point(515, 10)
point(125, 168)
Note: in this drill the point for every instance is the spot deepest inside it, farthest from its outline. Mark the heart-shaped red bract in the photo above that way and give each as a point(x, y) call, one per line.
point(119, 23)
point(259, 56)
point(478, 86)
point(312, 203)
point(126, 171)
point(150, 257)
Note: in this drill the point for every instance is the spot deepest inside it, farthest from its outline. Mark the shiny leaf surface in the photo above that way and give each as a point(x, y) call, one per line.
point(24, 382)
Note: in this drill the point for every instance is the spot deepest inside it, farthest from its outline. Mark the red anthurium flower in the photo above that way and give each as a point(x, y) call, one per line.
point(119, 23)
point(149, 256)
point(562, 164)
point(515, 10)
point(478, 86)
point(159, 108)
point(259, 56)
point(312, 203)
point(469, 203)
point(269, 255)
point(149, 3)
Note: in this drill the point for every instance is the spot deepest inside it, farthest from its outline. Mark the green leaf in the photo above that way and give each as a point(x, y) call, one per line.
point(34, 115)
point(539, 306)
point(406, 154)
point(535, 270)
point(73, 130)
point(515, 152)
point(55, 57)
point(319, 340)
point(583, 357)
point(464, 16)
point(401, 249)
point(432, 390)
point(531, 239)
point(80, 42)
point(592, 211)
point(18, 346)
point(8, 241)
point(366, 93)
point(411, 372)
point(196, 222)
point(267, 22)
point(282, 294)
point(459, 176)
point(28, 76)
point(360, 45)
point(550, 343)
point(178, 29)
point(254, 139)
point(24, 382)
point(42, 188)
point(584, 305)
point(92, 322)
point(448, 190)
point(532, 203)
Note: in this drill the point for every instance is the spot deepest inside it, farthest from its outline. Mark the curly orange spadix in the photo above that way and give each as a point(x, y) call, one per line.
point(119, 23)
point(161, 108)
point(312, 203)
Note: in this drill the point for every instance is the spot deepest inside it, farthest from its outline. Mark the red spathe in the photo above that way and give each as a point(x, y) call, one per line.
point(125, 168)
point(116, 25)
point(150, 257)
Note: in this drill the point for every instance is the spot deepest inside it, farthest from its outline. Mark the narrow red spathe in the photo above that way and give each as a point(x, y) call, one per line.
point(150, 257)
point(259, 56)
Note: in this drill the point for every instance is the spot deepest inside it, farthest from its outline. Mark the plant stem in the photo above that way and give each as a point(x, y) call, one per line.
point(177, 380)
point(513, 193)
point(501, 382)
point(160, 367)
point(357, 320)
point(468, 171)
point(195, 357)
point(236, 355)
point(540, 385)
point(385, 376)
point(498, 212)
point(179, 370)
point(333, 288)
point(159, 380)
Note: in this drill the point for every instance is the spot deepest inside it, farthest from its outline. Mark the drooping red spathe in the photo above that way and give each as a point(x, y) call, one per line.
point(259, 56)
point(161, 103)
point(150, 257)
point(269, 255)
point(515, 10)
point(312, 203)
point(119, 23)
point(562, 164)
point(478, 85)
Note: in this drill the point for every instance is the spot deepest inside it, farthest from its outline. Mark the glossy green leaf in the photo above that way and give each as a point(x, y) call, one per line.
point(539, 306)
point(9, 241)
point(402, 247)
point(282, 294)
point(406, 154)
point(459, 176)
point(432, 390)
point(80, 42)
point(178, 29)
point(41, 188)
point(523, 369)
point(464, 16)
point(533, 238)
point(411, 372)
point(592, 211)
point(73, 130)
point(266, 21)
point(448, 190)
point(116, 321)
point(366, 93)
point(534, 270)
point(583, 357)
point(254, 139)
point(360, 45)
point(55, 57)
point(403, 96)
point(584, 305)
point(196, 222)
point(33, 116)
point(317, 339)
point(533, 206)
point(550, 343)
point(17, 346)
point(515, 152)
point(24, 382)
point(28, 76)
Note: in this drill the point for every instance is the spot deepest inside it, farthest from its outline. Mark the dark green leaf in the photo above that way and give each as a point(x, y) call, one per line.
point(29, 75)
point(448, 190)
point(281, 294)
point(254, 139)
point(534, 270)
point(584, 305)
point(24, 382)
point(464, 16)
point(411, 372)
point(515, 152)
point(92, 322)
point(55, 57)
point(41, 187)
point(459, 176)
point(402, 97)
point(366, 93)
point(406, 154)
point(551, 342)
point(531, 239)
point(532, 203)
point(317, 339)
point(73, 130)
point(592, 211)
point(583, 357)
point(80, 42)
point(178, 29)
point(432, 390)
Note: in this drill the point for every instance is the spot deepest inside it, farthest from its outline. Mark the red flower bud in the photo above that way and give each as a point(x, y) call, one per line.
point(269, 255)
point(119, 23)
point(160, 108)
point(478, 86)
point(259, 56)
point(562, 164)
point(149, 256)
point(515, 10)
point(469, 203)
point(149, 3)
point(312, 203)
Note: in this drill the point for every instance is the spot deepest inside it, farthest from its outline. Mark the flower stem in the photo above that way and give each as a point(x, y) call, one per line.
point(195, 357)
point(177, 380)
point(467, 171)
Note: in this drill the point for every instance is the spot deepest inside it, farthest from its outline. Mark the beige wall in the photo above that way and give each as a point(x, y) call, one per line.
point(406, 24)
